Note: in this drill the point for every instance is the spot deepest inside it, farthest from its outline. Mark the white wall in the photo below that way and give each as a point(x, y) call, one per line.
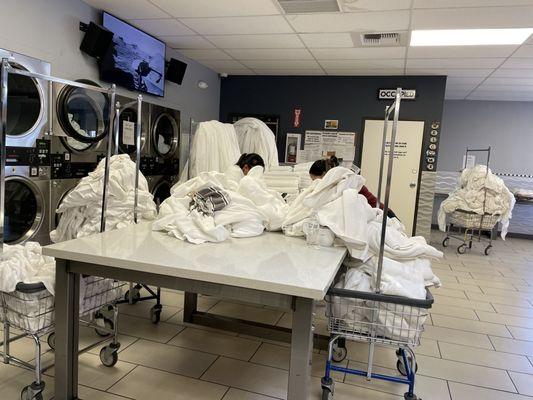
point(49, 30)
point(507, 126)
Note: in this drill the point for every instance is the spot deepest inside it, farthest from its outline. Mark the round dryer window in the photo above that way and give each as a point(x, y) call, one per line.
point(161, 192)
point(23, 105)
point(83, 115)
point(165, 135)
point(23, 210)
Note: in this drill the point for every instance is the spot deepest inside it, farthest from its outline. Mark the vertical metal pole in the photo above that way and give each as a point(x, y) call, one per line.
point(50, 107)
point(387, 188)
point(112, 94)
point(3, 133)
point(117, 126)
point(137, 157)
point(191, 129)
point(382, 162)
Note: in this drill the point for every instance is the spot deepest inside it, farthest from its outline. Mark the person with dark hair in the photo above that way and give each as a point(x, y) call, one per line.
point(249, 160)
point(321, 167)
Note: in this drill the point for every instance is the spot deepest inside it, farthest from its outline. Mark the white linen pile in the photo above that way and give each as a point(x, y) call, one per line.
point(25, 263)
point(252, 208)
point(282, 181)
point(214, 148)
point(475, 184)
point(254, 136)
point(81, 208)
point(302, 170)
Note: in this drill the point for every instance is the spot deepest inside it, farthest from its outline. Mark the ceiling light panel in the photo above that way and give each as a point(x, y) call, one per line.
point(461, 51)
point(166, 27)
point(216, 8)
point(280, 41)
point(239, 25)
point(308, 6)
point(374, 5)
point(348, 22)
point(129, 9)
point(470, 37)
point(469, 3)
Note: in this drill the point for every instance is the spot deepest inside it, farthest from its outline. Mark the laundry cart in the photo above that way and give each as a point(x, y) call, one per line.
point(374, 317)
point(29, 310)
point(467, 226)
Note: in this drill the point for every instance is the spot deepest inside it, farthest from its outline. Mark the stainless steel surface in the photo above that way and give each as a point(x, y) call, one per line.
point(137, 156)
point(59, 80)
point(396, 109)
point(36, 128)
point(108, 156)
point(116, 127)
point(3, 128)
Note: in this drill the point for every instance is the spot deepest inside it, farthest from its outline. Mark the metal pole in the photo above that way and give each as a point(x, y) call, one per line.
point(387, 188)
point(3, 133)
point(191, 123)
point(137, 157)
point(117, 126)
point(50, 106)
point(112, 94)
point(382, 162)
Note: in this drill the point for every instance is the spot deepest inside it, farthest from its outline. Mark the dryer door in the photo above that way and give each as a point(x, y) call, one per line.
point(83, 115)
point(161, 191)
point(165, 135)
point(24, 208)
point(24, 106)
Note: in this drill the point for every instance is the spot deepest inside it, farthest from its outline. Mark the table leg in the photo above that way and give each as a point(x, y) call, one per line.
point(190, 306)
point(301, 350)
point(67, 302)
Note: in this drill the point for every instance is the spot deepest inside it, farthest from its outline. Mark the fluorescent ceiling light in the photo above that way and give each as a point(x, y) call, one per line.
point(469, 37)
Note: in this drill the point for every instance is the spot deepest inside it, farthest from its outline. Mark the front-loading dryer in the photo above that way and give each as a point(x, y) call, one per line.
point(127, 137)
point(159, 186)
point(27, 194)
point(80, 122)
point(59, 189)
point(27, 105)
point(164, 132)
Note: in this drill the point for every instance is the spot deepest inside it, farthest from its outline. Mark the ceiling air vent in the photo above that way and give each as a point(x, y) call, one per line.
point(309, 6)
point(385, 39)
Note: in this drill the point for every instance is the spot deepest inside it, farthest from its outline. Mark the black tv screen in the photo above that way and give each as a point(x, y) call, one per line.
point(134, 60)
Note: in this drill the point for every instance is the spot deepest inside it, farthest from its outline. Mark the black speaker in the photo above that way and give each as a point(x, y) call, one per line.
point(176, 71)
point(96, 41)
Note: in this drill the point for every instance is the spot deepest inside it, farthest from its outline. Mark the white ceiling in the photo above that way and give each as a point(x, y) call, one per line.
point(256, 37)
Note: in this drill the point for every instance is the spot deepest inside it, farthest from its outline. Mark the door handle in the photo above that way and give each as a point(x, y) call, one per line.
point(412, 184)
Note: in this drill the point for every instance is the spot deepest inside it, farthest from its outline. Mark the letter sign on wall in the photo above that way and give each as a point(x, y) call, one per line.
point(390, 94)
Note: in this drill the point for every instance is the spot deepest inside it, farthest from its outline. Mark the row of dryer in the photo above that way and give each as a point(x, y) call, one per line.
point(57, 133)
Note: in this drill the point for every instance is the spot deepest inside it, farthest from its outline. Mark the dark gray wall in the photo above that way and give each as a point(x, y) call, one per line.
point(348, 99)
point(507, 126)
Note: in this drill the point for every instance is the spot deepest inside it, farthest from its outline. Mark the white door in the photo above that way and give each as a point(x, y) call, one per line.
point(405, 173)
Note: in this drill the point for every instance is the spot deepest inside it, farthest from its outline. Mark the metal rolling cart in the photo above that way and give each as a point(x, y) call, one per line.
point(30, 308)
point(376, 318)
point(470, 225)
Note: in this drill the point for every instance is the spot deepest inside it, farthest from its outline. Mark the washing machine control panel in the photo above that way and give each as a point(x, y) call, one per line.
point(38, 156)
point(63, 168)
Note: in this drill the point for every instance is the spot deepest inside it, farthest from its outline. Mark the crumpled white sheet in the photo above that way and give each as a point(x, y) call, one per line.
point(81, 208)
point(254, 136)
point(474, 182)
point(214, 148)
point(252, 208)
point(25, 263)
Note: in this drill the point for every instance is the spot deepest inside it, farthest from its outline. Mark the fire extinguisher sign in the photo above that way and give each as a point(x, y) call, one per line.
point(297, 117)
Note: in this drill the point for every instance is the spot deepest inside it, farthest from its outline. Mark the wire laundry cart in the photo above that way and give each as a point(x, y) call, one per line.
point(467, 226)
point(376, 318)
point(29, 309)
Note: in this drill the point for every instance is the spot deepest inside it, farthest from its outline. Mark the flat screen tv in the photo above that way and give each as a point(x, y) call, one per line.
point(135, 60)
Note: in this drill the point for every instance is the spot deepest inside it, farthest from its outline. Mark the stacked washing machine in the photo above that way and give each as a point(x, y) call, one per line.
point(27, 188)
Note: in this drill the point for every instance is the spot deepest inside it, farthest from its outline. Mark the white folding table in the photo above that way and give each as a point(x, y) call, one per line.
point(271, 269)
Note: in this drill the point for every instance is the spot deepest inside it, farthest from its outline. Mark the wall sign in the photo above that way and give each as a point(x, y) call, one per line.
point(297, 117)
point(292, 147)
point(390, 94)
point(331, 124)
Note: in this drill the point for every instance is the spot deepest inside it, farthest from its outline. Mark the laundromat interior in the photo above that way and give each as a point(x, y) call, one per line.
point(266, 199)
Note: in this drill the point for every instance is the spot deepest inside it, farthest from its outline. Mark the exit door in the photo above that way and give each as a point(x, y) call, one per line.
point(405, 173)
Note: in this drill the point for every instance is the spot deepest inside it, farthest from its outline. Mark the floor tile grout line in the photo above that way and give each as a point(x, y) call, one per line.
point(256, 351)
point(449, 389)
point(512, 381)
point(114, 384)
point(225, 393)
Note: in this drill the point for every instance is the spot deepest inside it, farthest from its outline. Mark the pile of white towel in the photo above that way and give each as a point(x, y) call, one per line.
point(81, 208)
point(254, 136)
point(214, 148)
point(282, 180)
point(251, 209)
point(480, 192)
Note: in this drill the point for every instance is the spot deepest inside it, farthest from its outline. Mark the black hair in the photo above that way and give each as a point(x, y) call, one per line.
point(320, 167)
point(250, 159)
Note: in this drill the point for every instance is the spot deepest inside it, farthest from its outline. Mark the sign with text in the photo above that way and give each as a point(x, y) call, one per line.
point(390, 94)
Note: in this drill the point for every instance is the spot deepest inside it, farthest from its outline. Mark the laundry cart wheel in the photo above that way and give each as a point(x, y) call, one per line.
point(400, 366)
point(105, 323)
point(51, 340)
point(462, 249)
point(446, 242)
point(135, 293)
point(339, 353)
point(108, 356)
point(155, 313)
point(488, 249)
point(408, 396)
point(32, 392)
point(328, 387)
point(326, 394)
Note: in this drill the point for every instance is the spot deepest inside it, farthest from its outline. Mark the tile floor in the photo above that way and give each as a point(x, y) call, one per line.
point(478, 343)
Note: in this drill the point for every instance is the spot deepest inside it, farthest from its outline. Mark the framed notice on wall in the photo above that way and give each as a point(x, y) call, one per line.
point(320, 144)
